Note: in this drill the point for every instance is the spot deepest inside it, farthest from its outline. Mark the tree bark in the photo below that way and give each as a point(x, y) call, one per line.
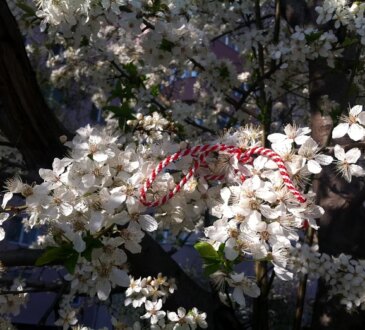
point(25, 118)
point(341, 228)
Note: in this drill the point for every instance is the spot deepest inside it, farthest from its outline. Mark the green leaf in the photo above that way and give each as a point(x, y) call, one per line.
point(349, 41)
point(117, 91)
point(223, 72)
point(155, 90)
point(221, 249)
point(131, 69)
point(91, 244)
point(53, 254)
point(84, 41)
point(211, 268)
point(166, 45)
point(312, 37)
point(207, 251)
point(71, 261)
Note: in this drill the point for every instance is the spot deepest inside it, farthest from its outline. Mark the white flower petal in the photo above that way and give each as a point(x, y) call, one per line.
point(356, 170)
point(361, 118)
point(181, 311)
point(266, 195)
point(158, 305)
point(258, 251)
point(355, 110)
point(7, 197)
point(314, 167)
point(353, 155)
point(304, 130)
point(230, 251)
point(88, 180)
point(238, 296)
point(340, 130)
point(172, 316)
point(283, 273)
point(276, 137)
point(225, 194)
point(147, 222)
point(283, 148)
point(103, 288)
point(133, 247)
point(339, 152)
point(254, 219)
point(356, 132)
point(3, 217)
point(323, 159)
point(237, 277)
point(100, 156)
point(301, 139)
point(121, 218)
point(120, 277)
point(79, 244)
point(114, 201)
point(96, 222)
point(2, 233)
point(309, 144)
point(66, 209)
point(252, 290)
point(268, 212)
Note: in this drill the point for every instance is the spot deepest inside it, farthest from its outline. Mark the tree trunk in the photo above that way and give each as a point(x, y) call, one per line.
point(25, 118)
point(342, 228)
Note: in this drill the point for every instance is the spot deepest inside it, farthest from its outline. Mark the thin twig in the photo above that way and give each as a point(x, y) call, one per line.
point(203, 128)
point(55, 303)
point(277, 22)
point(301, 291)
point(240, 26)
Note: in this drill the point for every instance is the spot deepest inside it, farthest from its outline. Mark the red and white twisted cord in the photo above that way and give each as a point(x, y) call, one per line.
point(282, 168)
point(200, 153)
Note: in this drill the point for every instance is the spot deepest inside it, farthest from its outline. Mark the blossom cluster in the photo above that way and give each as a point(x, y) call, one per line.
point(150, 128)
point(167, 39)
point(343, 275)
point(126, 52)
point(354, 126)
point(151, 293)
point(91, 203)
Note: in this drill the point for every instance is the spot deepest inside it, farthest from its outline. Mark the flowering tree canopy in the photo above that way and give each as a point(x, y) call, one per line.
point(235, 163)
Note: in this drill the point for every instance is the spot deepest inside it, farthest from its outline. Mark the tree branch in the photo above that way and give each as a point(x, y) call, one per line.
point(203, 128)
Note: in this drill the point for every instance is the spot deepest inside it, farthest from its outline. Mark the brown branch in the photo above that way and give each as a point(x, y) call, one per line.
point(240, 26)
point(277, 22)
point(203, 128)
point(55, 303)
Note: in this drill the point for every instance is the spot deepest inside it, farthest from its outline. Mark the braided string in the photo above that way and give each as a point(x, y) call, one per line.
point(200, 153)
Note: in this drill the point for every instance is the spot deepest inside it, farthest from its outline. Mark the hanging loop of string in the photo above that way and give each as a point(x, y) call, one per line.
point(200, 153)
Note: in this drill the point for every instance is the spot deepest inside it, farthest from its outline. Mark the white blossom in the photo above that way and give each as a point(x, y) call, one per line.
point(345, 163)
